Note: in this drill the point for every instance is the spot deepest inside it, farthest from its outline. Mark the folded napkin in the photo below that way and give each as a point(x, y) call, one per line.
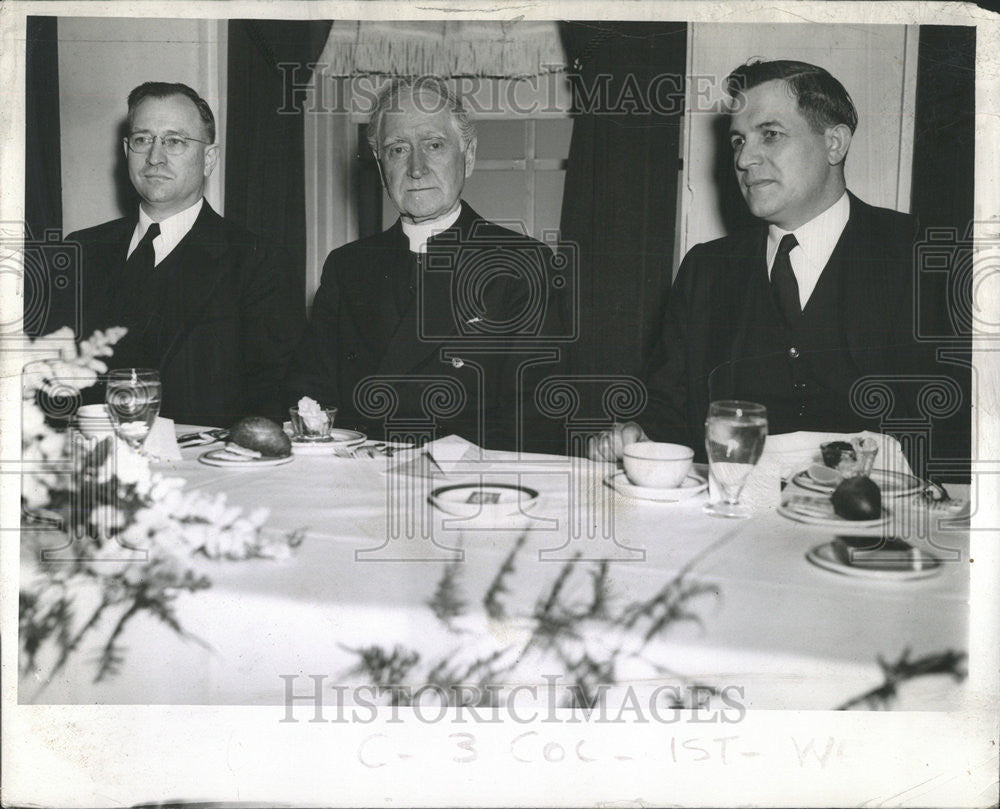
point(161, 443)
point(786, 454)
point(444, 454)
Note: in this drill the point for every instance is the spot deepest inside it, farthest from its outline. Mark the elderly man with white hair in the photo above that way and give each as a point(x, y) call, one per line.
point(435, 308)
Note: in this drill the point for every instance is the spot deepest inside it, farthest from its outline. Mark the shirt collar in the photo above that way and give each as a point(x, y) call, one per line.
point(818, 237)
point(419, 233)
point(172, 229)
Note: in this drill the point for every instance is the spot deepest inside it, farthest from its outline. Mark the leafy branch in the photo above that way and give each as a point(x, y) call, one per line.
point(903, 670)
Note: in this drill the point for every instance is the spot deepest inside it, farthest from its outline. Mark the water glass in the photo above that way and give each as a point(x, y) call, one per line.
point(133, 399)
point(735, 433)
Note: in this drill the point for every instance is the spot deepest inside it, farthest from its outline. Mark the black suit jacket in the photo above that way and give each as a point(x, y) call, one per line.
point(229, 319)
point(707, 317)
point(451, 357)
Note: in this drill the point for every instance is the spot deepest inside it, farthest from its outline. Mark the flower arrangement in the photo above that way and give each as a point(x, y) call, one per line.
point(132, 533)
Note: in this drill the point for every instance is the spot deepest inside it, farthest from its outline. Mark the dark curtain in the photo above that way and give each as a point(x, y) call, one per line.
point(42, 167)
point(48, 297)
point(269, 65)
point(942, 198)
point(944, 133)
point(620, 198)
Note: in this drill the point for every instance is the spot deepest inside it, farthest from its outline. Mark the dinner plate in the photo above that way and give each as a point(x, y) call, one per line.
point(892, 484)
point(339, 437)
point(484, 499)
point(807, 510)
point(825, 557)
point(320, 447)
point(691, 485)
point(220, 457)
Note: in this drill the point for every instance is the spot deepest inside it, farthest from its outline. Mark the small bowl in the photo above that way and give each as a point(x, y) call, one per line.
point(657, 466)
point(302, 431)
point(93, 411)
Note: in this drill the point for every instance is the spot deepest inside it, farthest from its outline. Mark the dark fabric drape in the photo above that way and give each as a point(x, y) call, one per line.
point(620, 198)
point(269, 65)
point(944, 130)
point(42, 175)
point(942, 197)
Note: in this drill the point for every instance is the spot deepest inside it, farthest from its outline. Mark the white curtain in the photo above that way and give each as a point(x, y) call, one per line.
point(444, 48)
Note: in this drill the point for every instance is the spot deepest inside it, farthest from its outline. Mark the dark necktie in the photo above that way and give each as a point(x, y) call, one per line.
point(143, 258)
point(135, 302)
point(783, 283)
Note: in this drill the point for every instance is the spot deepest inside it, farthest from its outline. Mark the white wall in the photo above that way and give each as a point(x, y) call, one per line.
point(100, 61)
point(877, 65)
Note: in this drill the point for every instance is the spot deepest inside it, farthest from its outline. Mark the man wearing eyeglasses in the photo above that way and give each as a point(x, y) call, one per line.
point(206, 302)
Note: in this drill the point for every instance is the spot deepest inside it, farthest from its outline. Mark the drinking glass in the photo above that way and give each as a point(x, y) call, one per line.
point(133, 399)
point(734, 437)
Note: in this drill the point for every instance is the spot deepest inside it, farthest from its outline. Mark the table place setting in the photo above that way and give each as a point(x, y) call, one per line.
point(657, 472)
point(510, 515)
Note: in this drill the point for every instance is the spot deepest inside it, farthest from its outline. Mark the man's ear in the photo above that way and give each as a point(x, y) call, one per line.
point(470, 156)
point(211, 158)
point(838, 141)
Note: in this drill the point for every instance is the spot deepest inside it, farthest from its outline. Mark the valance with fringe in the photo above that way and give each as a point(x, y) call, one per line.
point(485, 49)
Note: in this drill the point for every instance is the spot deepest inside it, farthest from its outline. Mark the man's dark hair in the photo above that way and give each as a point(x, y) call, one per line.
point(822, 99)
point(164, 89)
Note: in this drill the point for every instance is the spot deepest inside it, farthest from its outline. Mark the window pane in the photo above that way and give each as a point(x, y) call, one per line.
point(499, 196)
point(500, 140)
point(548, 200)
point(552, 137)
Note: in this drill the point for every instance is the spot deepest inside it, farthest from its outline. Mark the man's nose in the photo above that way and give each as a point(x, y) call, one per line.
point(746, 156)
point(418, 164)
point(156, 155)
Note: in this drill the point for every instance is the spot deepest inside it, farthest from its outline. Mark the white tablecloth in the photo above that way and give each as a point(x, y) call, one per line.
point(757, 618)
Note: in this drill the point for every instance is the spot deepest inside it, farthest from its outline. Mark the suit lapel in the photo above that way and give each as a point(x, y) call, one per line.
point(103, 272)
point(749, 269)
point(197, 266)
point(865, 275)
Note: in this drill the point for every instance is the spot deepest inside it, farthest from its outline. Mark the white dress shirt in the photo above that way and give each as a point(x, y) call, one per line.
point(172, 230)
point(419, 233)
point(816, 240)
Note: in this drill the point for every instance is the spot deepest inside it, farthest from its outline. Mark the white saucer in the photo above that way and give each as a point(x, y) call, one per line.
point(831, 520)
point(892, 484)
point(487, 500)
point(691, 485)
point(824, 556)
point(220, 457)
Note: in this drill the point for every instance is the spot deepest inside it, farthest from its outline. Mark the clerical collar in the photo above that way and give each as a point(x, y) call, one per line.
point(172, 230)
point(419, 232)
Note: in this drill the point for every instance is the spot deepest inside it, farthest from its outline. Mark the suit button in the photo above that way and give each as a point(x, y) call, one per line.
point(793, 352)
point(457, 362)
point(799, 387)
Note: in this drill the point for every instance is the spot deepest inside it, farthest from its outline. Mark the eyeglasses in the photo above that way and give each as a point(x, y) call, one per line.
point(173, 145)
